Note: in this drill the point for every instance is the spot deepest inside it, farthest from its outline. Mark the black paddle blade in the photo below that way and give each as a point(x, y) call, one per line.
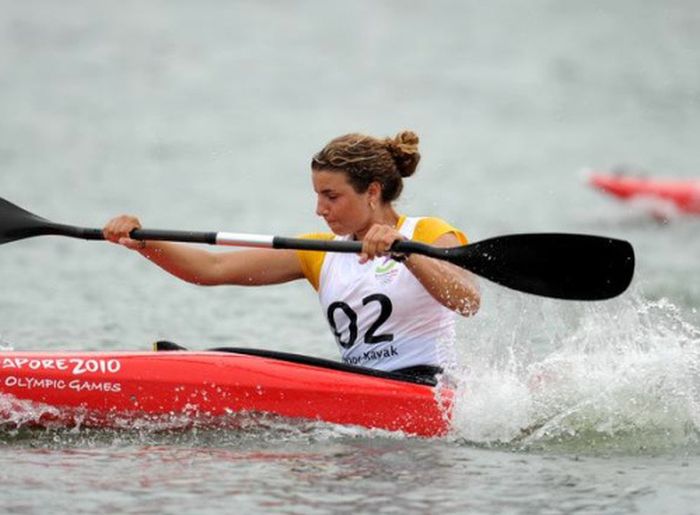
point(563, 266)
point(17, 223)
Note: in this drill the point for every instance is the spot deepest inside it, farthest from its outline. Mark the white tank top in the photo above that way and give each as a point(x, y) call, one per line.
point(381, 315)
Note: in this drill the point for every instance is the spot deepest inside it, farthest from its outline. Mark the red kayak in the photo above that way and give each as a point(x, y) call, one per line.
point(682, 194)
point(105, 389)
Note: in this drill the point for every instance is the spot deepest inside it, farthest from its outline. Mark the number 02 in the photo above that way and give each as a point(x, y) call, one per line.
point(370, 336)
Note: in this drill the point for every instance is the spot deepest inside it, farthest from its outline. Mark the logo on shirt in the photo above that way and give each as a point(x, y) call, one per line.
point(386, 271)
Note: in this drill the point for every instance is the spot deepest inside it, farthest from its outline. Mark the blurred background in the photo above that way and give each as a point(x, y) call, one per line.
point(204, 115)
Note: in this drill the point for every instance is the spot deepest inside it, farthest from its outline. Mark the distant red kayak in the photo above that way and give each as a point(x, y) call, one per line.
point(109, 389)
point(683, 194)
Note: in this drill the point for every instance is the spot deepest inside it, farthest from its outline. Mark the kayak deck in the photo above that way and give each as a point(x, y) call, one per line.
point(109, 385)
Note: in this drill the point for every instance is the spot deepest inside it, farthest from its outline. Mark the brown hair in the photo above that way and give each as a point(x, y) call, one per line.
point(366, 159)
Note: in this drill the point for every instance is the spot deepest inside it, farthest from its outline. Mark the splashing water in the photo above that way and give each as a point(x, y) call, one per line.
point(41, 426)
point(623, 379)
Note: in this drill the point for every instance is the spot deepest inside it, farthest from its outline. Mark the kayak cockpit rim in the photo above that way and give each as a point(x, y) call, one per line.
point(164, 345)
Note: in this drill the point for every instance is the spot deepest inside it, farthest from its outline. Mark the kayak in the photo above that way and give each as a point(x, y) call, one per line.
point(682, 194)
point(109, 389)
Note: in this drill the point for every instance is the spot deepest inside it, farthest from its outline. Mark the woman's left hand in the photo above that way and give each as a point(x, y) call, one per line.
point(378, 241)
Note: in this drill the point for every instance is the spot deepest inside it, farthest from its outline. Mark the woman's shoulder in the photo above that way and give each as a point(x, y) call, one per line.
point(430, 228)
point(312, 260)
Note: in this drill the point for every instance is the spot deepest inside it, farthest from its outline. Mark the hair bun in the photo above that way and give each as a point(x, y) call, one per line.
point(404, 149)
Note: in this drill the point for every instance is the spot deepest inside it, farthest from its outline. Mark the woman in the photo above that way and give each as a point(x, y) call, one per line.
point(386, 311)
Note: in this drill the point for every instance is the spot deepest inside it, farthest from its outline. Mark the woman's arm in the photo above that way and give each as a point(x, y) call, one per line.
point(452, 286)
point(245, 267)
point(199, 266)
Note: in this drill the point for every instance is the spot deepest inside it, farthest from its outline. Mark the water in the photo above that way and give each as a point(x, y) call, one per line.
point(205, 117)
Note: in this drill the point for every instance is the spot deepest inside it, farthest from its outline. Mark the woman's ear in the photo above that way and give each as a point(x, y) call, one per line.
point(374, 193)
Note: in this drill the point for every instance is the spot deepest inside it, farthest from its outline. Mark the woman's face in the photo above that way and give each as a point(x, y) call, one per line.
point(344, 210)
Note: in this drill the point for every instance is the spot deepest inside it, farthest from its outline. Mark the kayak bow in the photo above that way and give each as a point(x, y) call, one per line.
point(682, 194)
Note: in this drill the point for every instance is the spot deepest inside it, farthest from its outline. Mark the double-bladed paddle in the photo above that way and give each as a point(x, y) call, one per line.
point(559, 265)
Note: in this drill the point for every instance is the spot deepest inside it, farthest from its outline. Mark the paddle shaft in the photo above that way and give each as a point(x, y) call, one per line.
point(233, 239)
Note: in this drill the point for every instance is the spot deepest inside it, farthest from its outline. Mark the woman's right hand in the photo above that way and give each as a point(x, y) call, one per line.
point(117, 230)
